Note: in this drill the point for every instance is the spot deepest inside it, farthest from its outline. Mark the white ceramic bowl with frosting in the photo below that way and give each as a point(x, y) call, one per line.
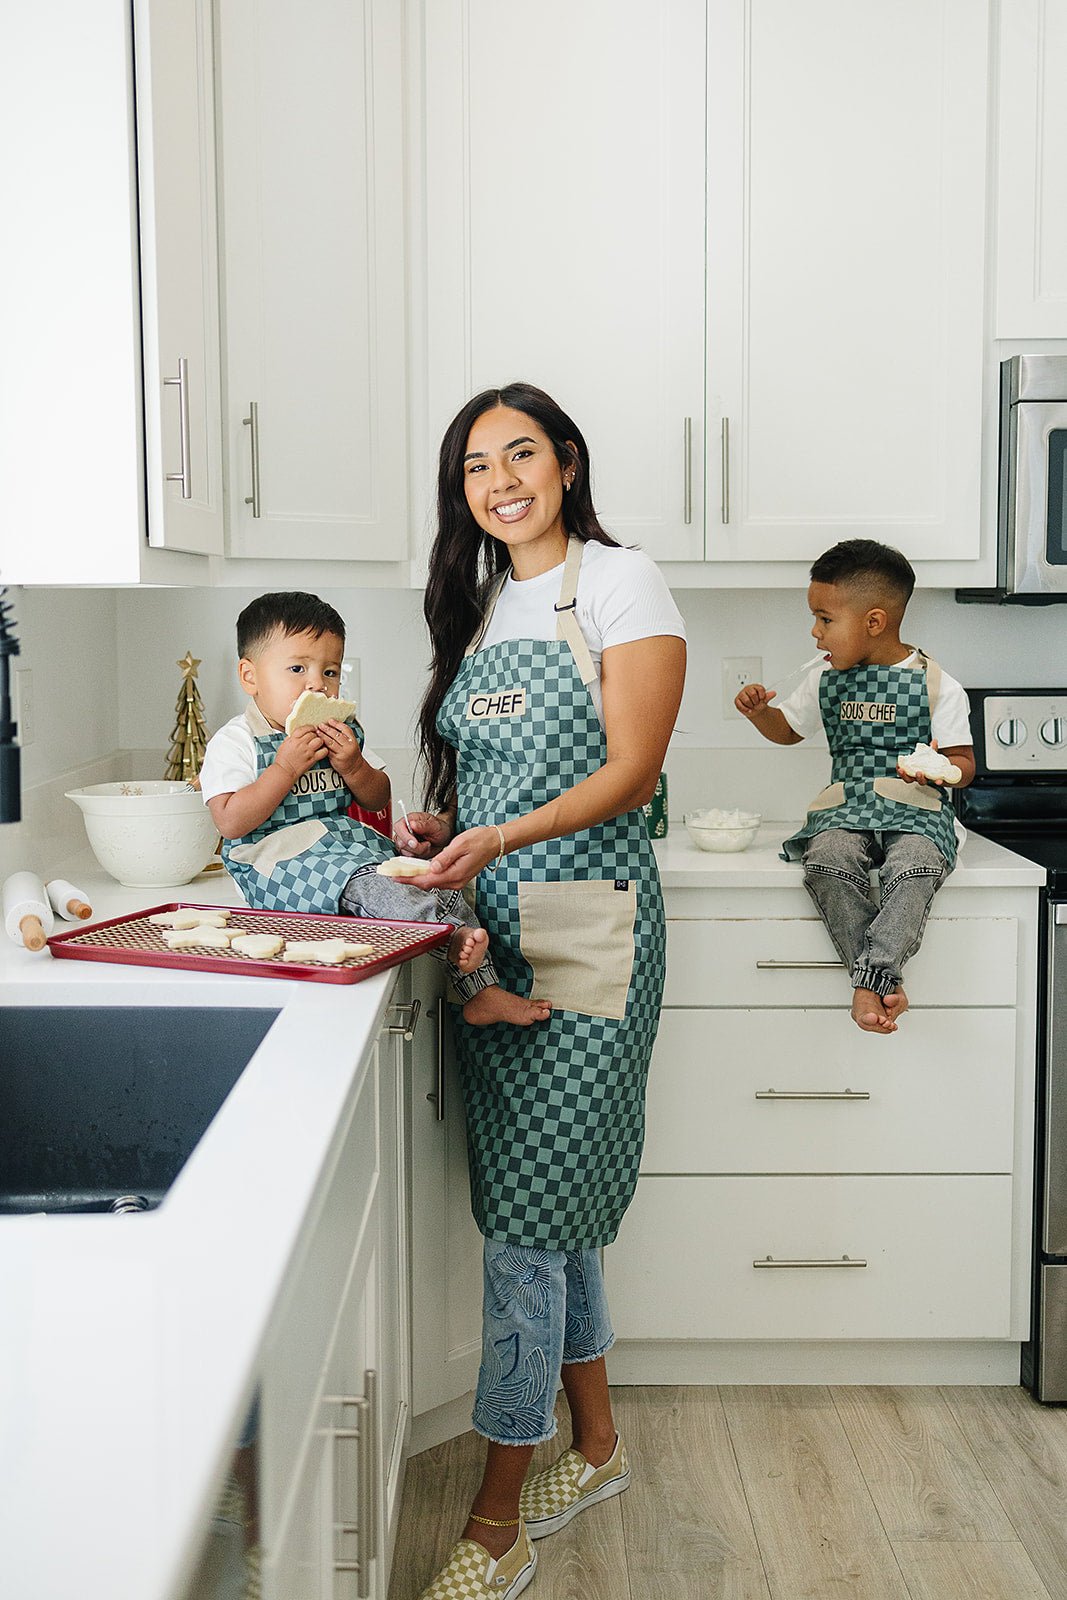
point(715, 829)
point(147, 833)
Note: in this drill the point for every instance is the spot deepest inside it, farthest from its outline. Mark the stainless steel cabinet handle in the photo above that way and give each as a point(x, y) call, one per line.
point(406, 1030)
point(794, 966)
point(182, 384)
point(725, 469)
point(813, 1094)
point(833, 1261)
point(687, 447)
point(439, 1095)
point(363, 1527)
point(252, 423)
point(374, 1452)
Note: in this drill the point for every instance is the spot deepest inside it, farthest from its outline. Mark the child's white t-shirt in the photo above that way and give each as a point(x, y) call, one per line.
point(622, 597)
point(950, 721)
point(230, 759)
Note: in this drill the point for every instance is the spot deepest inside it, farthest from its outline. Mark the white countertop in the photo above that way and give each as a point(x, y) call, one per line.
point(981, 864)
point(110, 1474)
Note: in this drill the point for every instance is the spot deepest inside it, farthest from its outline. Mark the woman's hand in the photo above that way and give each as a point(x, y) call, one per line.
point(422, 835)
point(463, 859)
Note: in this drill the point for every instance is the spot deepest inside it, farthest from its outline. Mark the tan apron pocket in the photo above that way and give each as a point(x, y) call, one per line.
point(833, 795)
point(579, 939)
point(266, 853)
point(908, 794)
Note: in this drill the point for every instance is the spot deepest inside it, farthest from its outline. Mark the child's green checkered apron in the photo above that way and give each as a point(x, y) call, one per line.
point(303, 855)
point(872, 717)
point(555, 1112)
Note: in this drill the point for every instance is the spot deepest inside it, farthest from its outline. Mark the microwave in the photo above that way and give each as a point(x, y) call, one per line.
point(1032, 504)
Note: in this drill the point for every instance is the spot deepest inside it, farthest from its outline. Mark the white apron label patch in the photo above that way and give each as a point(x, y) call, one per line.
point(868, 711)
point(320, 780)
point(505, 703)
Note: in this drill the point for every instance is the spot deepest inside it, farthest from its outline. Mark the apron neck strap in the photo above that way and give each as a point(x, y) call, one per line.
point(566, 619)
point(483, 626)
point(257, 722)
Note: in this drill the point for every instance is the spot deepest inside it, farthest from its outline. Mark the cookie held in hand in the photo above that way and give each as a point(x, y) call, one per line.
point(930, 763)
point(311, 708)
point(403, 867)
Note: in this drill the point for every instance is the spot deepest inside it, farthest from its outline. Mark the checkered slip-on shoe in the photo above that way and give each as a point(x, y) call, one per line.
point(551, 1498)
point(470, 1573)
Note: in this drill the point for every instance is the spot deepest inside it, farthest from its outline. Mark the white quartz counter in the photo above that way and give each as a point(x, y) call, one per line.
point(128, 1345)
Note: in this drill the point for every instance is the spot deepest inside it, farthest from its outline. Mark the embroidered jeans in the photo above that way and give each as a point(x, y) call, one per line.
point(541, 1309)
point(873, 939)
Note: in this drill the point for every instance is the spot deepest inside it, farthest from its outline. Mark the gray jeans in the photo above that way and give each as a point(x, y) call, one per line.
point(369, 894)
point(873, 939)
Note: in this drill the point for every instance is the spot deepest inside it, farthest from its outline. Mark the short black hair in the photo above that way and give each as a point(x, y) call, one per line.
point(866, 564)
point(292, 612)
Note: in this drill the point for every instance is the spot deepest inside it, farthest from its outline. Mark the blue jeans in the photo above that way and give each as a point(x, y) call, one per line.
point(541, 1308)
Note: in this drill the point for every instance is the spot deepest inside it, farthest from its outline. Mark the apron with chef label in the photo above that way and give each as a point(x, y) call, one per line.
point(872, 717)
point(555, 1112)
point(303, 855)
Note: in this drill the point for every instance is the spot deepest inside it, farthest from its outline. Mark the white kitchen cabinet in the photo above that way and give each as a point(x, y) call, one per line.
point(446, 1247)
point(312, 181)
point(571, 255)
point(846, 266)
point(75, 411)
point(1031, 259)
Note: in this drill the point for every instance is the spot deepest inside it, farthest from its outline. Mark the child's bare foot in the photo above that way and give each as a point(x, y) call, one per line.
point(869, 1012)
point(896, 1004)
point(467, 947)
point(500, 1005)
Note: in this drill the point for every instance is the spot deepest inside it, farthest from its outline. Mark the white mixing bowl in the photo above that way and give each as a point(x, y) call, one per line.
point(147, 833)
point(722, 830)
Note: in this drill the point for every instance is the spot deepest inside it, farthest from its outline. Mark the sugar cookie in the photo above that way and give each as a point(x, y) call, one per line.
point(210, 938)
point(191, 919)
point(330, 951)
point(403, 867)
point(930, 763)
point(260, 946)
point(311, 708)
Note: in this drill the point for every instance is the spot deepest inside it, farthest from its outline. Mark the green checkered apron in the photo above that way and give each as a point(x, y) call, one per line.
point(555, 1112)
point(323, 859)
point(872, 717)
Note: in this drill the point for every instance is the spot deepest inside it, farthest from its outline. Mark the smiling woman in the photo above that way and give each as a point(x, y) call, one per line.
point(558, 662)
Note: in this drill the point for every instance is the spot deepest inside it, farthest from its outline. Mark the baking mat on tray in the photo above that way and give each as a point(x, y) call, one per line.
point(137, 941)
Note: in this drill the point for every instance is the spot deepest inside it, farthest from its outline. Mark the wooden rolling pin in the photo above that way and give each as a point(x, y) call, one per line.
point(28, 918)
point(67, 901)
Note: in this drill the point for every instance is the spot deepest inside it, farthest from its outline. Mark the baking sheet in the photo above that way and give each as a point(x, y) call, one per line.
point(134, 940)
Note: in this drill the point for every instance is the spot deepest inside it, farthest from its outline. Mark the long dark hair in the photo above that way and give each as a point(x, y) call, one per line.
point(465, 559)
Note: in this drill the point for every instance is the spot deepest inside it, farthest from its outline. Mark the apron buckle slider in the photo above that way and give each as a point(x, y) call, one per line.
point(568, 607)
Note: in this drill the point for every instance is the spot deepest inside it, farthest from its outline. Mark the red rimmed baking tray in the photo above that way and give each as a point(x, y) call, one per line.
point(134, 940)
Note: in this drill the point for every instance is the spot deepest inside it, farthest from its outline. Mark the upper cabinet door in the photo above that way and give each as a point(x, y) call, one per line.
point(1031, 162)
point(565, 201)
point(313, 227)
point(174, 69)
point(846, 258)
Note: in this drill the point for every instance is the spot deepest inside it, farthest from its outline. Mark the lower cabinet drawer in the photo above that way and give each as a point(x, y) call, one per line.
point(937, 1253)
point(790, 961)
point(751, 1092)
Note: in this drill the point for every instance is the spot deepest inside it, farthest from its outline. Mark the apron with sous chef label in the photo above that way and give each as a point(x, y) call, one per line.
point(872, 717)
point(303, 855)
point(555, 1112)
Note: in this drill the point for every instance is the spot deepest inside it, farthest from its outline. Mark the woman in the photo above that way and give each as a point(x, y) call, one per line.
point(558, 663)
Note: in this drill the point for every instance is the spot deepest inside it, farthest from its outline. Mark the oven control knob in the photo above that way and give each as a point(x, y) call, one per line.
point(1011, 732)
point(1054, 732)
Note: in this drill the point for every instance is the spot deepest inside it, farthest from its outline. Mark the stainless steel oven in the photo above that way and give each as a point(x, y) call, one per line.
point(1019, 798)
point(1032, 512)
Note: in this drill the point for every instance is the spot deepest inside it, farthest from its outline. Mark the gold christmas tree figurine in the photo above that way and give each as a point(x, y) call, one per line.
point(189, 734)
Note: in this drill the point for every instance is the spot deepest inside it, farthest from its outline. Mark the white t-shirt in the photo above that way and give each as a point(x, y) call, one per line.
point(622, 597)
point(950, 721)
point(230, 759)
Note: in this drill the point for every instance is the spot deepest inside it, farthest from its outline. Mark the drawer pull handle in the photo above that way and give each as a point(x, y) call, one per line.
point(794, 966)
point(406, 1030)
point(363, 1436)
point(845, 1261)
point(252, 423)
point(813, 1094)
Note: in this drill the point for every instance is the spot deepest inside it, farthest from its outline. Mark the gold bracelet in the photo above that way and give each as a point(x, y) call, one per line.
point(493, 1522)
point(502, 854)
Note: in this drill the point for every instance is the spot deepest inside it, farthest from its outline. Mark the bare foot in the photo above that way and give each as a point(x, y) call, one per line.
point(896, 1004)
point(869, 1012)
point(467, 947)
point(500, 1005)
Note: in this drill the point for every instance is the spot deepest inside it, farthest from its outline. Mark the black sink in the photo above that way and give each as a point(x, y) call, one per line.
point(102, 1102)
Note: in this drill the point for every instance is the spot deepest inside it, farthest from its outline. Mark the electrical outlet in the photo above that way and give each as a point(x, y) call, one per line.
point(736, 672)
point(24, 717)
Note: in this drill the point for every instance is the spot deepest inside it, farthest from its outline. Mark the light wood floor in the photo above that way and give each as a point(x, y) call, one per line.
point(791, 1494)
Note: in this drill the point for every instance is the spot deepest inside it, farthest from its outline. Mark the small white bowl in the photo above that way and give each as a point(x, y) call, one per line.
point(147, 833)
point(722, 830)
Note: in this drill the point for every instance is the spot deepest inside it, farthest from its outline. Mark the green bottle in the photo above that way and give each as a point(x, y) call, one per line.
point(656, 810)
